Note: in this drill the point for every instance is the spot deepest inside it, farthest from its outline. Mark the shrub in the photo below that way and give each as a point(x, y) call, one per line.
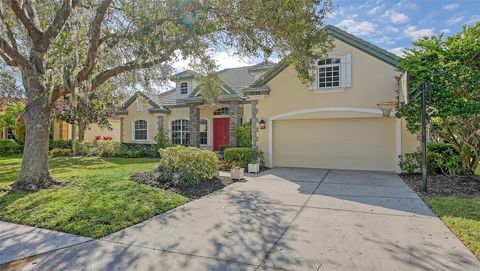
point(243, 156)
point(244, 135)
point(107, 148)
point(85, 148)
point(60, 144)
point(411, 162)
point(10, 147)
point(143, 150)
point(162, 139)
point(187, 166)
point(129, 154)
point(60, 152)
point(444, 158)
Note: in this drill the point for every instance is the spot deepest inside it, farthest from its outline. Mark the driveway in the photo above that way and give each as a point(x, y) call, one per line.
point(282, 219)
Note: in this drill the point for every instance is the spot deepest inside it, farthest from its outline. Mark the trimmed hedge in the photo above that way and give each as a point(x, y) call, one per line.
point(60, 152)
point(142, 150)
point(187, 166)
point(60, 144)
point(243, 156)
point(10, 147)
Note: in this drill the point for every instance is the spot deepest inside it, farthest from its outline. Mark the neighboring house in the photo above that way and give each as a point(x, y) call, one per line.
point(62, 130)
point(333, 123)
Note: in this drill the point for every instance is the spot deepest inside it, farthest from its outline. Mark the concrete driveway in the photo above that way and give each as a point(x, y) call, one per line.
point(282, 219)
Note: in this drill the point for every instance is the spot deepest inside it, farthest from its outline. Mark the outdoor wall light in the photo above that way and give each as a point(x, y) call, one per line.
point(261, 124)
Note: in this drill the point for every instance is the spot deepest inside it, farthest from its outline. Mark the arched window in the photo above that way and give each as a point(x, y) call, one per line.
point(180, 132)
point(140, 130)
point(203, 132)
point(222, 111)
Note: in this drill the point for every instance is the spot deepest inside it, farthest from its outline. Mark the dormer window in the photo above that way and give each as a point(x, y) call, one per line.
point(184, 88)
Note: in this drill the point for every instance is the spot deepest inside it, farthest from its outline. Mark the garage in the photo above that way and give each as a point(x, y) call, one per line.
point(337, 143)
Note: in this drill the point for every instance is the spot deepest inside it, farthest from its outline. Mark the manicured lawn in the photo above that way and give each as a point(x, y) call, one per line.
point(98, 197)
point(462, 216)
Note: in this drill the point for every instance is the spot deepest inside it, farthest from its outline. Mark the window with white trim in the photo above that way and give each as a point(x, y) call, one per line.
point(329, 72)
point(334, 72)
point(184, 88)
point(180, 132)
point(203, 132)
point(140, 130)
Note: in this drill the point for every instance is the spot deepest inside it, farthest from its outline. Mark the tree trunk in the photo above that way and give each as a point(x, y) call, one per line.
point(34, 173)
point(81, 130)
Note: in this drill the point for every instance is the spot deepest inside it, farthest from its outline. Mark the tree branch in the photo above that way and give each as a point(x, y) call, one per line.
point(34, 33)
point(8, 28)
point(130, 66)
point(61, 17)
point(94, 40)
point(16, 58)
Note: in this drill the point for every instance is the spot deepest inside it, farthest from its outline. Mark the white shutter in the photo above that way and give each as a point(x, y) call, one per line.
point(346, 70)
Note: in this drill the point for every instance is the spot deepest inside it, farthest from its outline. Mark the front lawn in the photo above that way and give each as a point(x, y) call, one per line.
point(462, 216)
point(98, 197)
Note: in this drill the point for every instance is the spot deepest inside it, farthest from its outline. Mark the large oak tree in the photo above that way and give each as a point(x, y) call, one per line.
point(60, 45)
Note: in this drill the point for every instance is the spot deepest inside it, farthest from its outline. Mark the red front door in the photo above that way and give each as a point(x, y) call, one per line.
point(221, 132)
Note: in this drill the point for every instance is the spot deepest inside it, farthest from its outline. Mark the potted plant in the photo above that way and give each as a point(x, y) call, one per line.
point(254, 165)
point(237, 172)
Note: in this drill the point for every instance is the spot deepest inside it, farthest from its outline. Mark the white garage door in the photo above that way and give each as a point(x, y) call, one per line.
point(353, 143)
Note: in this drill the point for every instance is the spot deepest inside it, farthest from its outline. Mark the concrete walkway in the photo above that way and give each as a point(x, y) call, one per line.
point(283, 219)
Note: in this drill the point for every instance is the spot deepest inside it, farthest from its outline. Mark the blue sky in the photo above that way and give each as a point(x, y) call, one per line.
point(394, 24)
point(390, 24)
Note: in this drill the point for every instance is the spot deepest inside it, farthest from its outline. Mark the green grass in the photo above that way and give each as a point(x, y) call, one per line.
point(98, 198)
point(462, 216)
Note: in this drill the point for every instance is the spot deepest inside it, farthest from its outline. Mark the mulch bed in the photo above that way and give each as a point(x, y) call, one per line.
point(445, 185)
point(193, 192)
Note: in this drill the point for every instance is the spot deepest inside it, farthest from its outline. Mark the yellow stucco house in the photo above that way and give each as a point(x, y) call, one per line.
point(333, 123)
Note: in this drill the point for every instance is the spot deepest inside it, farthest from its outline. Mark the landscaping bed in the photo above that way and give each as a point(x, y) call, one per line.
point(193, 192)
point(456, 200)
point(445, 185)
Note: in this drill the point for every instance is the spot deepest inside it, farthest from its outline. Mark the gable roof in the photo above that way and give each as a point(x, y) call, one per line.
point(339, 34)
point(156, 108)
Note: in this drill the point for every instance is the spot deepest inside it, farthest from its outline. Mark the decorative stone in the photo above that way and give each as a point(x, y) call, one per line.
point(194, 127)
point(234, 121)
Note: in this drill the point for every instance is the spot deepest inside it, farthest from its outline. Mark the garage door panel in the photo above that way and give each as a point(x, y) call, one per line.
point(359, 143)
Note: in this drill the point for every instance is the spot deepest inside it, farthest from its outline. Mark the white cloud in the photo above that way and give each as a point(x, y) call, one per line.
point(414, 33)
point(445, 30)
point(357, 28)
point(396, 17)
point(455, 20)
point(375, 10)
point(223, 59)
point(391, 29)
point(473, 20)
point(404, 4)
point(398, 51)
point(450, 6)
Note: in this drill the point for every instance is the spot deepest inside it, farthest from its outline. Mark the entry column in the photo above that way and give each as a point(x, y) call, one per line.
point(194, 125)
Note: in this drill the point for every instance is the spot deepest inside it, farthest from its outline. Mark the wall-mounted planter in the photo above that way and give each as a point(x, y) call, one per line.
point(254, 168)
point(237, 173)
